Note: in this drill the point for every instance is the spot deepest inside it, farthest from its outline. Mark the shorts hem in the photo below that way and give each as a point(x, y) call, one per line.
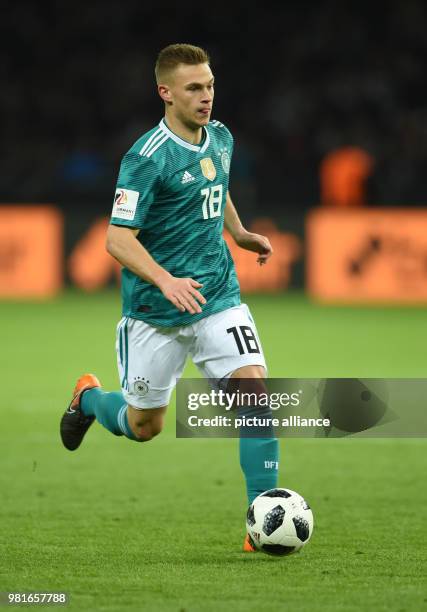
point(143, 403)
point(241, 363)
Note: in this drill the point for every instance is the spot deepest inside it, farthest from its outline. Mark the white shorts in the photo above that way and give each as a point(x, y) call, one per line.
point(152, 359)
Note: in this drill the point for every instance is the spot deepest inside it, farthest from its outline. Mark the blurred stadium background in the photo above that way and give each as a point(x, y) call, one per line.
point(325, 102)
point(329, 113)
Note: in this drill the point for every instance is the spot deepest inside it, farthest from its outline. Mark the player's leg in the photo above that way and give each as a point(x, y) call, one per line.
point(150, 360)
point(259, 456)
point(112, 411)
point(228, 347)
point(91, 403)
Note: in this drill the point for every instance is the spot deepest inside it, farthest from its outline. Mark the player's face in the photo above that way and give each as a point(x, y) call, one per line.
point(191, 91)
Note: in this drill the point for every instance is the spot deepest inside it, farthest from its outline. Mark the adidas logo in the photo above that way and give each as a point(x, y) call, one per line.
point(187, 178)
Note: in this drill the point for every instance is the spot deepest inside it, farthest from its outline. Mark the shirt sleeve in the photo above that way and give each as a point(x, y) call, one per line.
point(230, 140)
point(136, 189)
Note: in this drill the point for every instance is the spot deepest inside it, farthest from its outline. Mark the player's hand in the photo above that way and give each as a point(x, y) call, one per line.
point(183, 293)
point(257, 243)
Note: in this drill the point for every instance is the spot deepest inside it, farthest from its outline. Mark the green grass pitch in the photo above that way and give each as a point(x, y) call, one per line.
point(159, 526)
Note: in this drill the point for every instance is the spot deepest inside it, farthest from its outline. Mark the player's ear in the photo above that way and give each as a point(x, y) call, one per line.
point(165, 93)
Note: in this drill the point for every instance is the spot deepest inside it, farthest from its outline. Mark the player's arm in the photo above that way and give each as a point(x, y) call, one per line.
point(138, 183)
point(123, 245)
point(246, 240)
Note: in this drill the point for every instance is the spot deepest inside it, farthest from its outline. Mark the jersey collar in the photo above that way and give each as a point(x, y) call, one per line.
point(184, 143)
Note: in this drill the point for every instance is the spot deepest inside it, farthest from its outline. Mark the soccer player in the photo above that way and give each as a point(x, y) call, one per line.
point(179, 286)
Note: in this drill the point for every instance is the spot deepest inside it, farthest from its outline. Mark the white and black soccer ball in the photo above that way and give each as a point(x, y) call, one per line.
point(279, 522)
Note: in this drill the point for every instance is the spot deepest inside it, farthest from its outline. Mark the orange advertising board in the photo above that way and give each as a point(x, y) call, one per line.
point(90, 266)
point(30, 251)
point(367, 255)
point(276, 275)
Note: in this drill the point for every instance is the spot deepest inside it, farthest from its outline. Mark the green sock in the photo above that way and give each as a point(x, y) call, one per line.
point(259, 456)
point(259, 459)
point(110, 409)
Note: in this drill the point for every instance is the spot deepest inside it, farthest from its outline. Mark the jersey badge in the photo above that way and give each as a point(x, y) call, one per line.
point(140, 387)
point(225, 159)
point(208, 168)
point(125, 203)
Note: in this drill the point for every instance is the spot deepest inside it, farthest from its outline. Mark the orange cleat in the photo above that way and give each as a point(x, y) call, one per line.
point(248, 544)
point(74, 424)
point(85, 382)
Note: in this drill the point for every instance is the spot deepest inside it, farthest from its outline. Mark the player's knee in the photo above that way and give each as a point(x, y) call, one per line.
point(249, 372)
point(156, 426)
point(251, 393)
point(142, 434)
point(248, 386)
point(147, 430)
point(146, 423)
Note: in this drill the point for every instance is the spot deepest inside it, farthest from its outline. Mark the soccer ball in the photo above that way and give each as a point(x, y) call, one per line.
point(279, 522)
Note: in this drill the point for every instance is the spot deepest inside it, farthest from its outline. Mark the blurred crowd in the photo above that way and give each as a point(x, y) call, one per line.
point(295, 81)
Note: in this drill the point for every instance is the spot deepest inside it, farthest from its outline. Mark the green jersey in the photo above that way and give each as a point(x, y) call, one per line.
point(175, 192)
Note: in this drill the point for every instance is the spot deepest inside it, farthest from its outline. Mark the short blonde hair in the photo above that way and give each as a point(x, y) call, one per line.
point(173, 55)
